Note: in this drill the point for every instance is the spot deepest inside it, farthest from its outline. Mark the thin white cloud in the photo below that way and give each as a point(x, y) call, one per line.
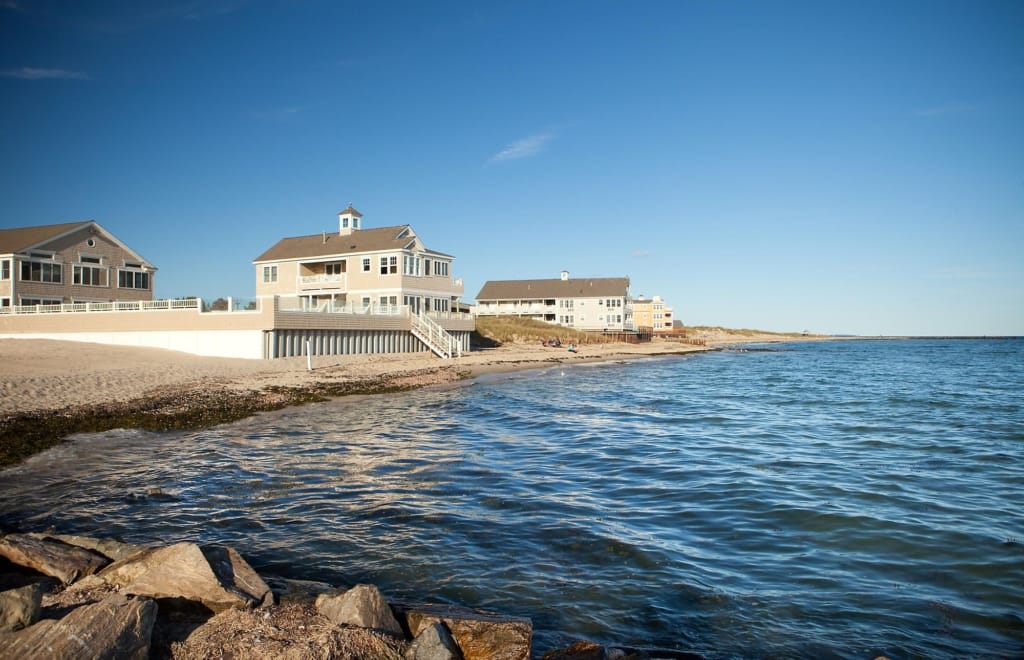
point(641, 254)
point(278, 114)
point(946, 110)
point(525, 148)
point(34, 73)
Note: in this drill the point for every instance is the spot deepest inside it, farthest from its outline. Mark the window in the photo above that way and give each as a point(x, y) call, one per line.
point(441, 268)
point(42, 271)
point(132, 279)
point(426, 266)
point(28, 302)
point(90, 275)
point(366, 302)
point(5, 302)
point(411, 265)
point(335, 268)
point(344, 222)
point(5, 269)
point(366, 264)
point(388, 265)
point(269, 274)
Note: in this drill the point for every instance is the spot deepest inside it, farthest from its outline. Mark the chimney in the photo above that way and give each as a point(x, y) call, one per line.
point(565, 275)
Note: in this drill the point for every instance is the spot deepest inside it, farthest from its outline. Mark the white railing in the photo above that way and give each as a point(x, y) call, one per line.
point(435, 337)
point(116, 306)
point(320, 280)
point(298, 304)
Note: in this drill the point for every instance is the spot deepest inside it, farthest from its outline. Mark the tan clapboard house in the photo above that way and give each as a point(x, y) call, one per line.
point(359, 268)
point(74, 262)
point(595, 304)
point(654, 314)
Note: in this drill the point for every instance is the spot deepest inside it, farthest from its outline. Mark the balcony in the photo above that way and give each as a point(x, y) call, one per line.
point(320, 282)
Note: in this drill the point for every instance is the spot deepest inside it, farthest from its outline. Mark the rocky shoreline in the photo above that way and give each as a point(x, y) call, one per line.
point(79, 597)
point(23, 434)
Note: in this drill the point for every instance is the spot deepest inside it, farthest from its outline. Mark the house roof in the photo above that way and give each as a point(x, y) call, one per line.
point(24, 238)
point(594, 287)
point(399, 237)
point(351, 211)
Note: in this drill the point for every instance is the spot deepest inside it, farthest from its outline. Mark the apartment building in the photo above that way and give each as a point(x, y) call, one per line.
point(593, 304)
point(653, 313)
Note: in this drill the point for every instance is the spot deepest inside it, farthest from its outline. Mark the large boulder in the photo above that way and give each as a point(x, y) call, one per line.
point(480, 635)
point(109, 548)
point(51, 557)
point(363, 605)
point(116, 627)
point(19, 608)
point(214, 576)
point(434, 643)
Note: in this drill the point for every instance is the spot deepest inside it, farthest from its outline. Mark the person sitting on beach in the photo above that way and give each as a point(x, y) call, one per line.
point(572, 347)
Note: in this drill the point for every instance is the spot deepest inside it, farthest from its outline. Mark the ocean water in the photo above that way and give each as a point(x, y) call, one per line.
point(809, 500)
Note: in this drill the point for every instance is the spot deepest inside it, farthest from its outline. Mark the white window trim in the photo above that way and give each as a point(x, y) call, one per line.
point(76, 268)
point(135, 271)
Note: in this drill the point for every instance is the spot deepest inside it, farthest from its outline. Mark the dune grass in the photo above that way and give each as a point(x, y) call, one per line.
point(512, 329)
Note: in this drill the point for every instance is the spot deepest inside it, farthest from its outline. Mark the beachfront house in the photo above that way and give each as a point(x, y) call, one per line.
point(595, 304)
point(653, 314)
point(70, 263)
point(360, 269)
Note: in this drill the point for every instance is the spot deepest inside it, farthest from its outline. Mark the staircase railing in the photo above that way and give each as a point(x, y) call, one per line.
point(435, 337)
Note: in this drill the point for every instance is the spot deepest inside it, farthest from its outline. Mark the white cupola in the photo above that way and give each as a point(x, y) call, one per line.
point(349, 221)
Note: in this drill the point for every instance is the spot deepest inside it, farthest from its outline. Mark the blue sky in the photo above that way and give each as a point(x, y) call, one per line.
point(839, 167)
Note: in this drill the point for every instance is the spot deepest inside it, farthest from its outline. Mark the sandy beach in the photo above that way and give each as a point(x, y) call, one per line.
point(38, 374)
point(54, 388)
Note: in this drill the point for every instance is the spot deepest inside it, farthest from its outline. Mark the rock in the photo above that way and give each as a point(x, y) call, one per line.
point(363, 605)
point(434, 643)
point(288, 591)
point(480, 635)
point(117, 627)
point(109, 548)
point(51, 557)
point(215, 576)
point(19, 608)
point(580, 650)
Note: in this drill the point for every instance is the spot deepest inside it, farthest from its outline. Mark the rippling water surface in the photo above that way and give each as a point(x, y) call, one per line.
point(842, 499)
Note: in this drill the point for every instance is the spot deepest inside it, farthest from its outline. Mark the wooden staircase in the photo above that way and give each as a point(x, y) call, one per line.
point(435, 337)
